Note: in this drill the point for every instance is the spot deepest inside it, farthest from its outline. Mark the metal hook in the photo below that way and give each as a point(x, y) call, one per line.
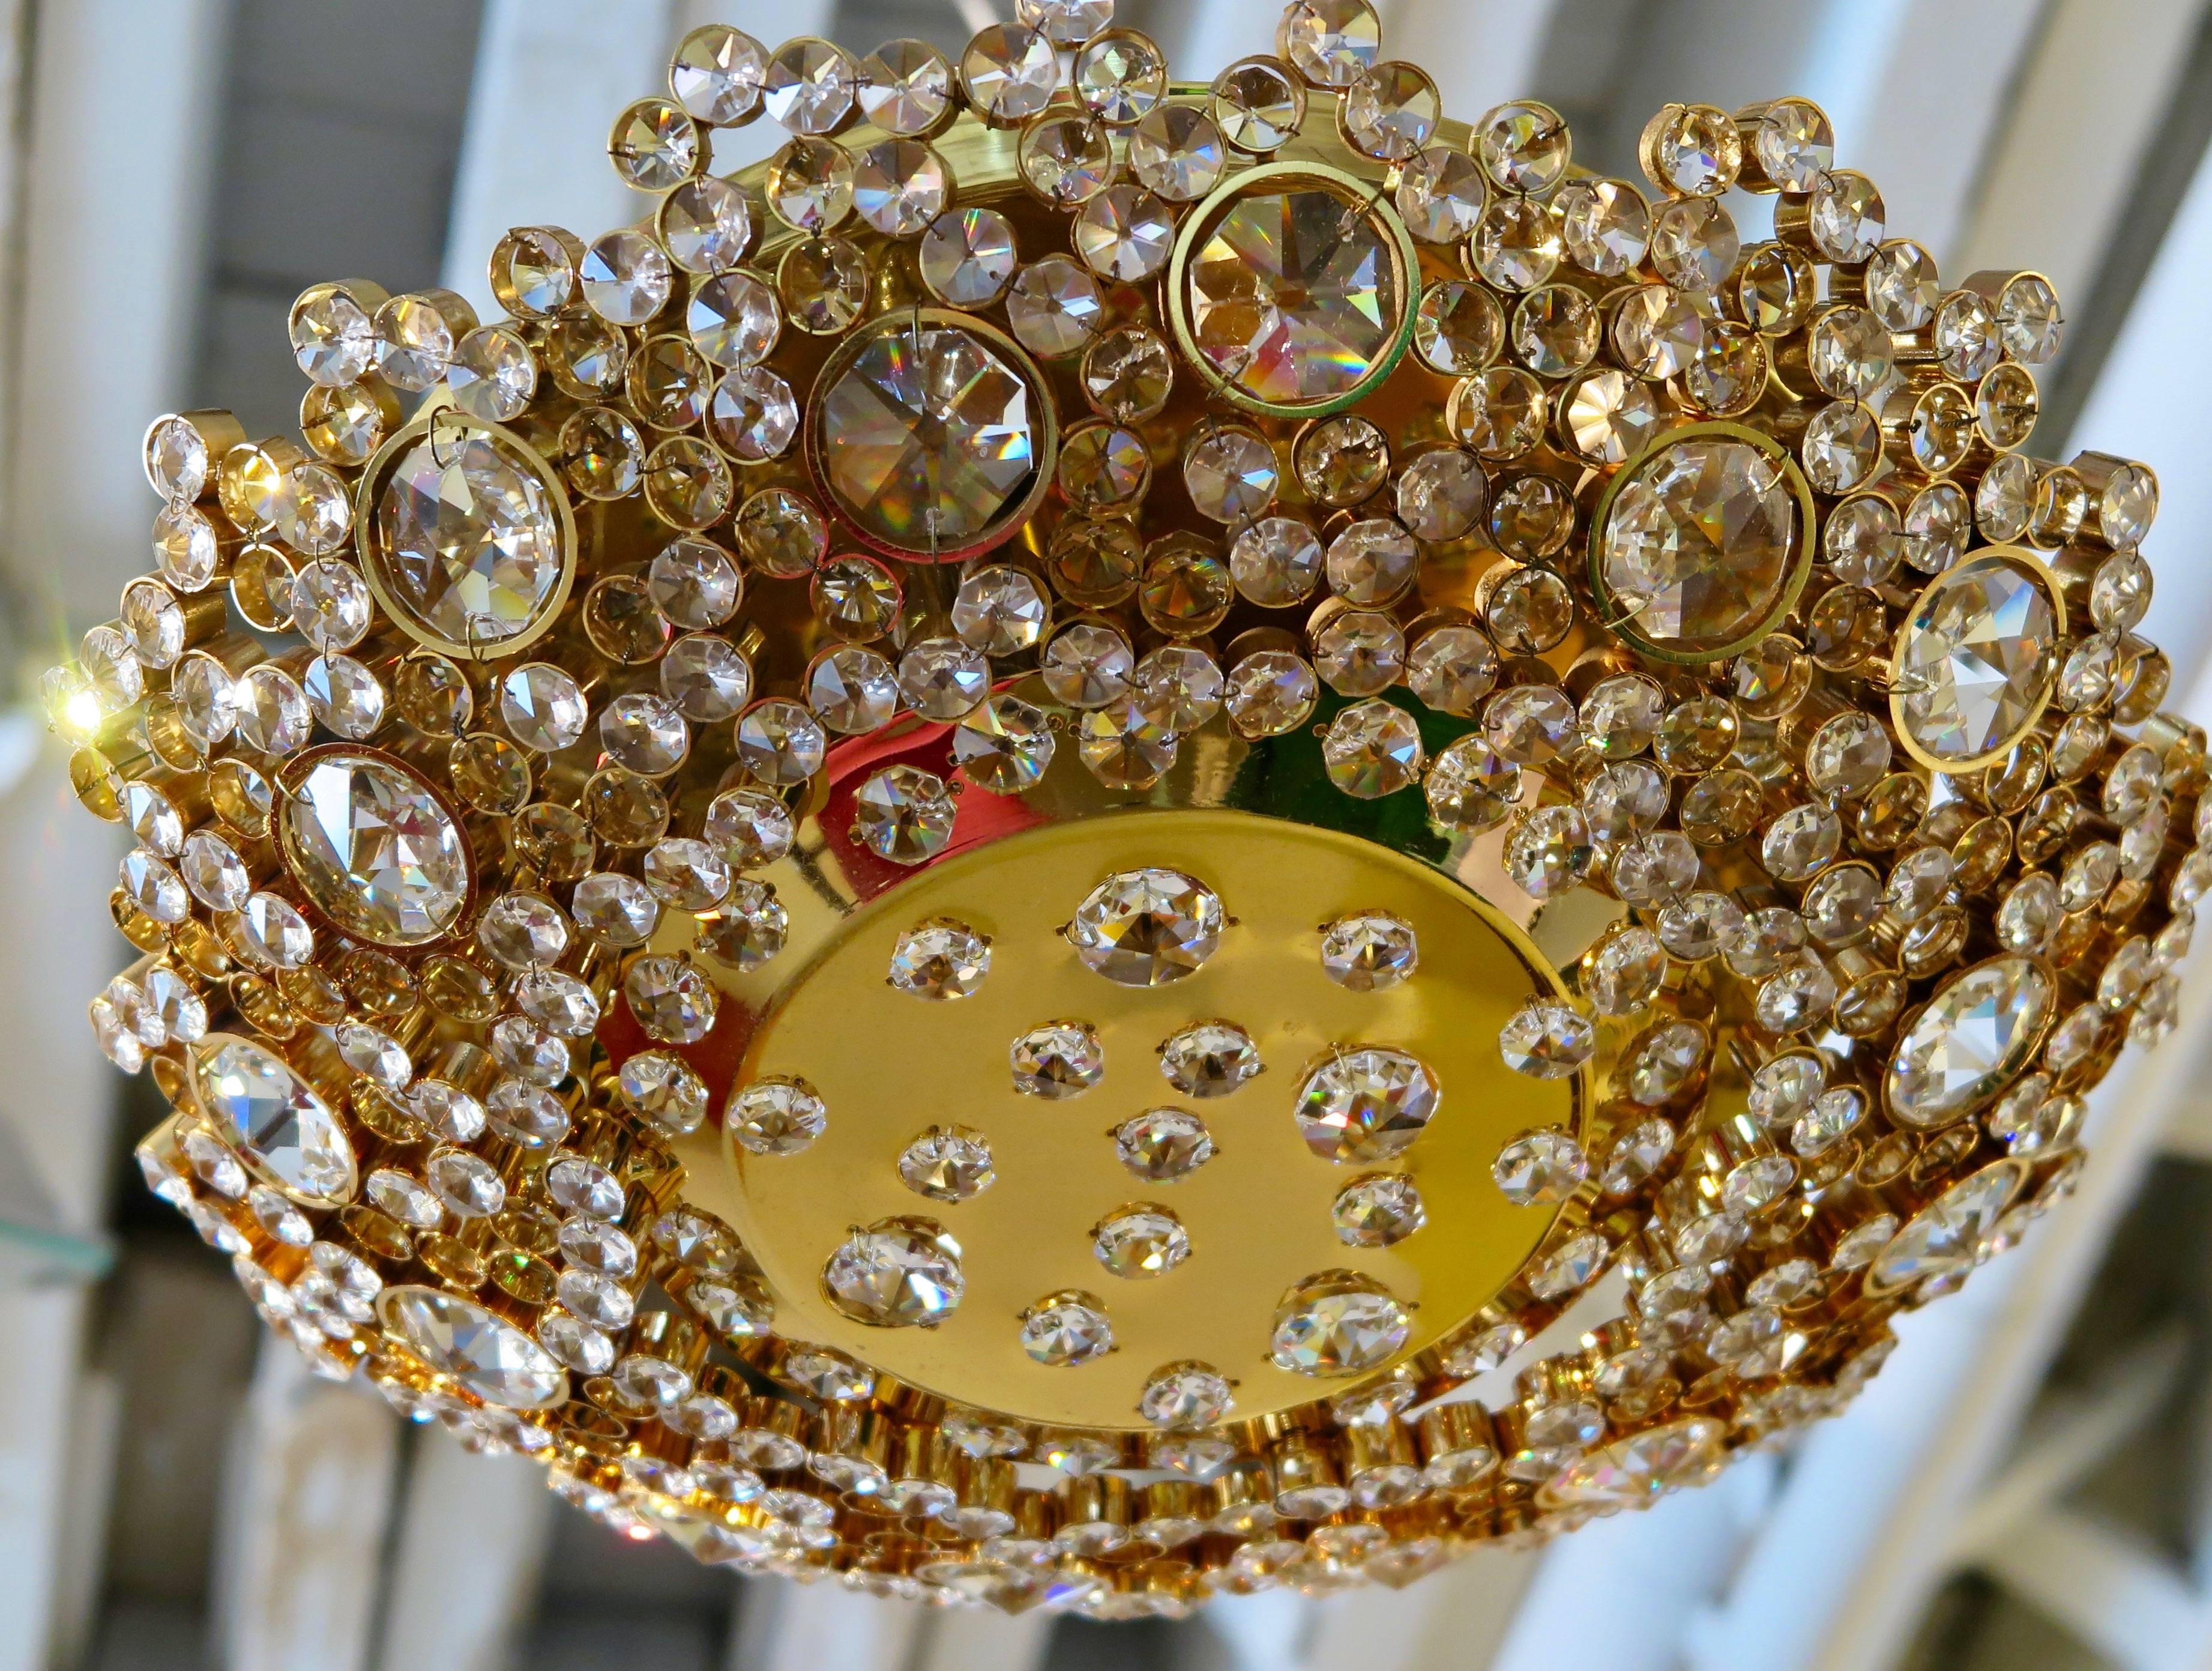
point(440, 416)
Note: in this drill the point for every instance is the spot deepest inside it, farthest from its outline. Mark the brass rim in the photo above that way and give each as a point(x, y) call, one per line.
point(1793, 583)
point(1200, 224)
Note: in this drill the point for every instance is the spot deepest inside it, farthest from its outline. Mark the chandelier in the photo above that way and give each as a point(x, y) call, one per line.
point(1111, 840)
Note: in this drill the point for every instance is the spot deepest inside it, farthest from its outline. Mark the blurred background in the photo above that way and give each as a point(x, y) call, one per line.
point(2028, 1484)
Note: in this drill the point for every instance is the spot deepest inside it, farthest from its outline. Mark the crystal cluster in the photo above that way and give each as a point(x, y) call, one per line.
point(460, 743)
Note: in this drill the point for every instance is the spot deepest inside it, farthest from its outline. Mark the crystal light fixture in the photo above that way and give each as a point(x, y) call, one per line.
point(1000, 859)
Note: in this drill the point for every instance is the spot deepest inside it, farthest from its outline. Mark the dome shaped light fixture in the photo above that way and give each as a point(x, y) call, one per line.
point(1112, 840)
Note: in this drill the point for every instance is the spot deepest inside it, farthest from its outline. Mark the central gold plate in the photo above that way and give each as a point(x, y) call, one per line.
point(889, 1065)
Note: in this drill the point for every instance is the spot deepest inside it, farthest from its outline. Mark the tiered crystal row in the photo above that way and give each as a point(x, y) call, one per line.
point(1029, 413)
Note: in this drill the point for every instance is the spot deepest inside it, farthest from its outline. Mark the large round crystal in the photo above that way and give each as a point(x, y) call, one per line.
point(1946, 1234)
point(1366, 1105)
point(1293, 297)
point(927, 435)
point(1971, 1041)
point(494, 1360)
point(264, 1109)
point(1698, 543)
point(374, 851)
point(1631, 1472)
point(898, 1273)
point(1975, 660)
point(1147, 928)
point(468, 542)
point(1337, 1323)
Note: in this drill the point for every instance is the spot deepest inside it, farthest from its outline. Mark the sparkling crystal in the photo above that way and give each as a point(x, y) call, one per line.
point(1372, 749)
point(274, 1116)
point(897, 1274)
point(1365, 1105)
point(1289, 302)
point(777, 1116)
point(1146, 927)
point(1067, 1329)
point(1699, 541)
point(940, 959)
point(1368, 951)
point(1058, 1060)
point(903, 813)
point(491, 1359)
point(374, 851)
point(1976, 660)
point(967, 257)
point(1162, 1144)
point(1140, 1242)
point(1378, 1211)
point(929, 436)
point(1338, 1324)
point(1948, 1235)
point(1546, 1040)
point(1971, 1041)
point(952, 1165)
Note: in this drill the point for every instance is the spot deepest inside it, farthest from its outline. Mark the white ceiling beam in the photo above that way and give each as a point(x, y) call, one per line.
point(113, 241)
point(2061, 1448)
point(2093, 87)
point(472, 1536)
point(307, 1501)
point(1482, 52)
point(2108, 1587)
point(787, 1627)
point(551, 77)
point(2147, 404)
point(972, 1638)
point(107, 221)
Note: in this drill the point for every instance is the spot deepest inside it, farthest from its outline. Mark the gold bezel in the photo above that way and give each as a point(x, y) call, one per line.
point(1405, 271)
point(286, 779)
point(371, 557)
point(1793, 583)
point(2038, 571)
point(1016, 513)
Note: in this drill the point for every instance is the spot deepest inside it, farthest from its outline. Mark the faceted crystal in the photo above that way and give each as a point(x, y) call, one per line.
point(928, 436)
point(1365, 1105)
point(1140, 1242)
point(940, 959)
point(1293, 297)
point(1183, 1397)
point(1146, 928)
point(952, 1165)
point(1972, 1040)
point(897, 1274)
point(1368, 951)
point(1949, 1235)
point(777, 1116)
point(1067, 1329)
point(904, 815)
point(1699, 542)
point(1976, 660)
point(273, 1115)
point(1211, 1058)
point(467, 540)
point(374, 851)
point(1058, 1060)
point(488, 1358)
point(1337, 1323)
point(1004, 745)
point(1634, 1470)
point(1162, 1144)
point(1378, 1211)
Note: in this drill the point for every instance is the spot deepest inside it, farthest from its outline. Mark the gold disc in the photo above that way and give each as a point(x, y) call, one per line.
point(889, 1065)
